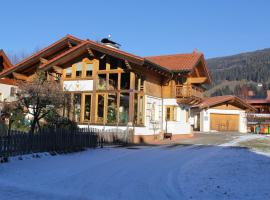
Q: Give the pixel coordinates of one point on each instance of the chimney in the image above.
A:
(109, 43)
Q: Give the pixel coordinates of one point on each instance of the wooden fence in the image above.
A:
(15, 143)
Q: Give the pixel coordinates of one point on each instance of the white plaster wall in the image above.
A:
(5, 91)
(152, 124)
(80, 85)
(205, 118)
(181, 125)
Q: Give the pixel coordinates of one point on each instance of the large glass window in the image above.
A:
(100, 108)
(124, 108)
(101, 83)
(136, 108)
(87, 107)
(69, 72)
(113, 81)
(113, 63)
(112, 109)
(89, 69)
(77, 107)
(125, 81)
(102, 63)
(141, 110)
(79, 69)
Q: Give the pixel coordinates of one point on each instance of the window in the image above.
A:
(124, 108)
(113, 81)
(87, 107)
(79, 69)
(125, 81)
(101, 82)
(69, 72)
(77, 107)
(89, 69)
(171, 113)
(112, 109)
(12, 91)
(100, 108)
(102, 63)
(153, 112)
(113, 63)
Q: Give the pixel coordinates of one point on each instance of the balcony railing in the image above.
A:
(188, 91)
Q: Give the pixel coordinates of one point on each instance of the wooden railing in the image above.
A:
(188, 91)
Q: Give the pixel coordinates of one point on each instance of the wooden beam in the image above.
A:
(90, 52)
(43, 60)
(194, 80)
(58, 69)
(69, 44)
(128, 64)
(20, 76)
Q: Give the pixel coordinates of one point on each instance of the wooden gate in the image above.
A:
(224, 122)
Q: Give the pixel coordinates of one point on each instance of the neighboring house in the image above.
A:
(221, 113)
(110, 88)
(261, 116)
(7, 86)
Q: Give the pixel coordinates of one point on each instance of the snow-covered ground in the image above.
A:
(190, 172)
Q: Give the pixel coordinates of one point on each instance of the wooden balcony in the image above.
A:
(188, 94)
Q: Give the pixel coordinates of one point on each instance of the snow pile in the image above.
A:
(192, 172)
(241, 138)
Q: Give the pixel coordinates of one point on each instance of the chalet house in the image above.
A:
(110, 88)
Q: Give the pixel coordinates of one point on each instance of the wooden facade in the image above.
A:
(107, 86)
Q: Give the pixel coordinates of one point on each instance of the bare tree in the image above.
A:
(39, 97)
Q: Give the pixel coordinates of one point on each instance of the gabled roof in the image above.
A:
(181, 62)
(177, 62)
(36, 56)
(165, 64)
(214, 101)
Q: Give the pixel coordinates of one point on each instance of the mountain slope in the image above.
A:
(251, 68)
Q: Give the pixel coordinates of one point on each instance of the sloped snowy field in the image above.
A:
(191, 172)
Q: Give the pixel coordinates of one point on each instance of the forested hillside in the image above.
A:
(239, 73)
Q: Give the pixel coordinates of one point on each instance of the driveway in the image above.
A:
(211, 138)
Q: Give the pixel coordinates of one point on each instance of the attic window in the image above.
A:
(89, 68)
(79, 69)
(68, 72)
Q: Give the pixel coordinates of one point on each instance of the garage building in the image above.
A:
(221, 113)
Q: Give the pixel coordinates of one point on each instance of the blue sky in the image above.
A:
(215, 27)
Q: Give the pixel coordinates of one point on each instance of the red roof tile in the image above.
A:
(177, 62)
(213, 101)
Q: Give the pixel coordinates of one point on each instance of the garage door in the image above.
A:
(224, 122)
